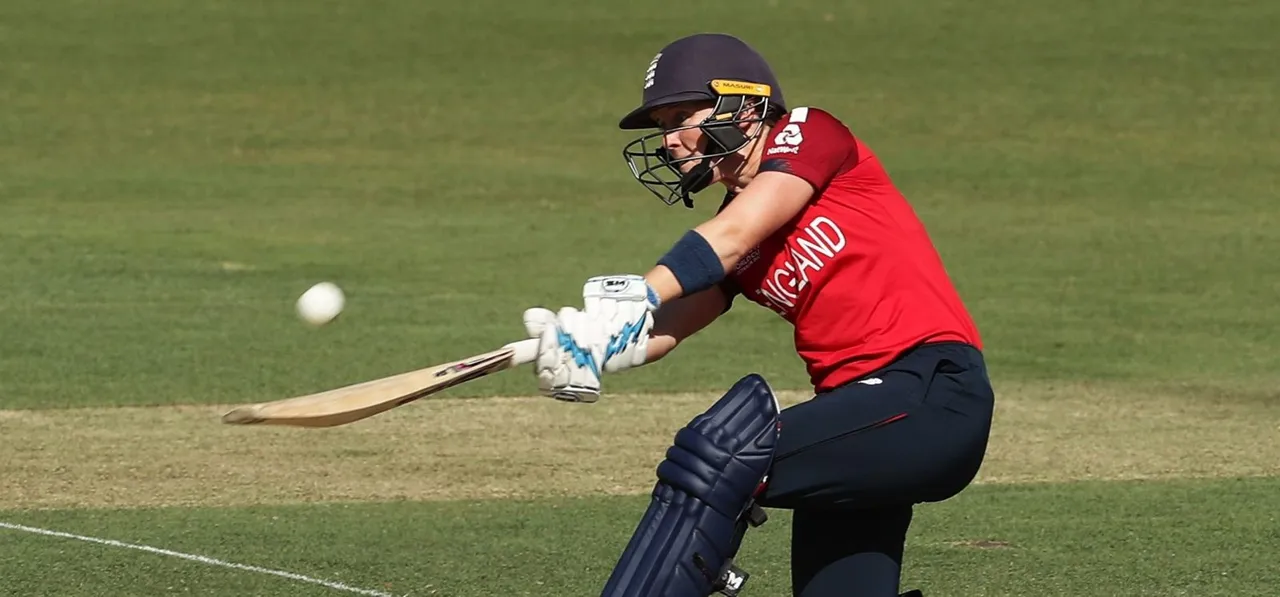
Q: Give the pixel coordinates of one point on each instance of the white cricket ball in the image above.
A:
(321, 303)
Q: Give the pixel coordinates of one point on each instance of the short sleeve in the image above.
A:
(812, 144)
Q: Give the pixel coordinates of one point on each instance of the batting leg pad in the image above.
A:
(703, 501)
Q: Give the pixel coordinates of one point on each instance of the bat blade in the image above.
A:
(362, 400)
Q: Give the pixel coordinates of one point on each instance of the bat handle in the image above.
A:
(526, 351)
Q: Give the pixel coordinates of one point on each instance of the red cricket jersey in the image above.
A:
(855, 271)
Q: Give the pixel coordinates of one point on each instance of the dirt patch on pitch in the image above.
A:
(532, 447)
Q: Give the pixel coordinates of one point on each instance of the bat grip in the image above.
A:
(526, 351)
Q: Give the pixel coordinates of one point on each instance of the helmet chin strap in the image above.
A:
(695, 180)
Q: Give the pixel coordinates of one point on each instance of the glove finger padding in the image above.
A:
(561, 377)
(566, 365)
(536, 319)
(540, 323)
(580, 342)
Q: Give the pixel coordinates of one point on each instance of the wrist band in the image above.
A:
(694, 263)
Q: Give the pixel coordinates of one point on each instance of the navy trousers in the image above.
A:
(852, 462)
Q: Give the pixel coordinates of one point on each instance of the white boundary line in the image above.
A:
(337, 586)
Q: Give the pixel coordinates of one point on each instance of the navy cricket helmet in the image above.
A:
(702, 67)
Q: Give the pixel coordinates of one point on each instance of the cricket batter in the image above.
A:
(813, 228)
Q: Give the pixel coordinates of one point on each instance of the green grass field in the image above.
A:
(1100, 177)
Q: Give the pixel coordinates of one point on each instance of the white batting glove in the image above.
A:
(622, 306)
(611, 334)
(569, 353)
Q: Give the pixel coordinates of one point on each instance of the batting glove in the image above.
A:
(569, 353)
(575, 347)
(623, 307)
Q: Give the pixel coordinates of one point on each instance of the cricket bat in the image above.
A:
(359, 401)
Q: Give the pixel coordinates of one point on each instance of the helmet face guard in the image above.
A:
(652, 165)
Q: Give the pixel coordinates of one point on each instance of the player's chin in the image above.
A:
(688, 164)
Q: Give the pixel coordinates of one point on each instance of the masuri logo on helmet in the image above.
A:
(730, 87)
